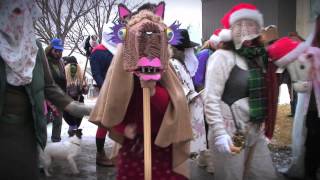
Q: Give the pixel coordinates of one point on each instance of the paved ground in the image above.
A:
(86, 159)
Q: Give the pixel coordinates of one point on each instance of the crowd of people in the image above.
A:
(216, 104)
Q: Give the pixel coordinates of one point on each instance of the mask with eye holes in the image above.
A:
(145, 41)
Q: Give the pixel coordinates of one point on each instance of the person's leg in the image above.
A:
(101, 158)
(100, 138)
(311, 152)
(71, 121)
(56, 128)
(227, 166)
(18, 152)
(259, 163)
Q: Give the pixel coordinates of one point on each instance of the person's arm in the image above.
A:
(218, 70)
(51, 90)
(56, 95)
(199, 77)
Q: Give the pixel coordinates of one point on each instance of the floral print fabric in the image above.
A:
(18, 46)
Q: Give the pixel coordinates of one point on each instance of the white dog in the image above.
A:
(66, 150)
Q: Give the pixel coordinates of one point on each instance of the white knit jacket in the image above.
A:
(218, 114)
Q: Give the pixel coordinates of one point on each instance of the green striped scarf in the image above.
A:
(256, 58)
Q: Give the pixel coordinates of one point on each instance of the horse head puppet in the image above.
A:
(145, 40)
(301, 60)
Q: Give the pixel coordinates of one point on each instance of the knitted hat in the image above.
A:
(285, 50)
(242, 11)
(220, 35)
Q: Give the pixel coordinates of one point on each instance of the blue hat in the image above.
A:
(57, 44)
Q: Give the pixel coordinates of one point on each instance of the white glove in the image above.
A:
(223, 143)
(78, 109)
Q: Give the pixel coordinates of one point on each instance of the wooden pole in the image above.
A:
(83, 77)
(147, 134)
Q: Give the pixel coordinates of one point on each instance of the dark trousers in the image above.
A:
(71, 120)
(312, 153)
(56, 125)
(18, 152)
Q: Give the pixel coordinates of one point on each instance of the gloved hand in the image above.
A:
(78, 109)
(223, 143)
(130, 131)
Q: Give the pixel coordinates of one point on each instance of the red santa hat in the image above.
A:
(242, 11)
(285, 50)
(220, 35)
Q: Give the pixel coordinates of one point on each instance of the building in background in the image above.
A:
(288, 15)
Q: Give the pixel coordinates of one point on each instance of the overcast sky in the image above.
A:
(188, 12)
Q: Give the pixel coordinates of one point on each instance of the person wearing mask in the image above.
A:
(25, 81)
(236, 94)
(185, 64)
(119, 106)
(76, 87)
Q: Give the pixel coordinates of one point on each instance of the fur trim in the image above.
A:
(246, 14)
(292, 55)
(225, 35)
(215, 39)
(270, 26)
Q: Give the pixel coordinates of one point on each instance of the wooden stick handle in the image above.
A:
(147, 134)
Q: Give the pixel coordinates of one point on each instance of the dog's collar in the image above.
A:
(75, 143)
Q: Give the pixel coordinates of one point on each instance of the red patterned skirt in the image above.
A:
(131, 162)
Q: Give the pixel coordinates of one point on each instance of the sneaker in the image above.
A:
(102, 160)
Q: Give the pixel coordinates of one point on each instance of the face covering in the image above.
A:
(18, 47)
(244, 30)
(73, 70)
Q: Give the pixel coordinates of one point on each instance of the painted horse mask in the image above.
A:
(145, 41)
(301, 60)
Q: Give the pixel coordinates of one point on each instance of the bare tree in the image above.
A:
(95, 21)
(73, 20)
(60, 16)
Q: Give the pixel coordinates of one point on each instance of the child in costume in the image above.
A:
(236, 94)
(144, 52)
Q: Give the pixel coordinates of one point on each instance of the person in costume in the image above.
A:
(219, 39)
(89, 43)
(54, 56)
(142, 59)
(185, 64)
(100, 60)
(25, 82)
(236, 100)
(76, 87)
(302, 60)
(215, 42)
